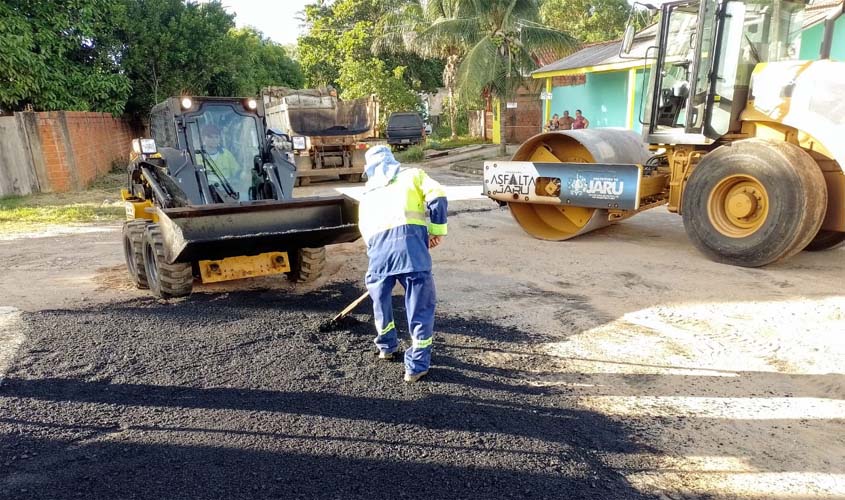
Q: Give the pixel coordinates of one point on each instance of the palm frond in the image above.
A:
(480, 68)
(461, 32)
(535, 37)
(448, 9)
(396, 30)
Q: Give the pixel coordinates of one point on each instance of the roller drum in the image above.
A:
(559, 222)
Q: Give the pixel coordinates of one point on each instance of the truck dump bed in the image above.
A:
(314, 113)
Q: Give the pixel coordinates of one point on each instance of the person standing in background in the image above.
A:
(580, 121)
(566, 121)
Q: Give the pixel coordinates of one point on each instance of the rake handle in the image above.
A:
(352, 306)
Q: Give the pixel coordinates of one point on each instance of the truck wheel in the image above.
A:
(165, 280)
(825, 240)
(754, 202)
(307, 264)
(351, 177)
(133, 251)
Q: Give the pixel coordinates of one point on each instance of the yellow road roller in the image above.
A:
(739, 138)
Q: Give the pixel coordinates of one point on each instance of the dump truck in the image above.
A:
(209, 197)
(740, 139)
(328, 135)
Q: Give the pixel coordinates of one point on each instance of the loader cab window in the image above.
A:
(235, 132)
(226, 142)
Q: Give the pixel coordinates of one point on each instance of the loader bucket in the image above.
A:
(227, 230)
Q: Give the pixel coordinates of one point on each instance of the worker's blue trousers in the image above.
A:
(419, 303)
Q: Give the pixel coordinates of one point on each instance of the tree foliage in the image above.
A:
(365, 78)
(337, 50)
(588, 20)
(502, 39)
(176, 48)
(55, 58)
(116, 55)
(404, 30)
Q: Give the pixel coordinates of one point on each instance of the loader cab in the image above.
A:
(706, 52)
(224, 138)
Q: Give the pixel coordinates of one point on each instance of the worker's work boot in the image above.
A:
(415, 377)
(387, 356)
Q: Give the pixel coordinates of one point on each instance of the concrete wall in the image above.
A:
(17, 177)
(60, 150)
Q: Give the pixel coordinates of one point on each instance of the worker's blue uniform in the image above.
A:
(392, 219)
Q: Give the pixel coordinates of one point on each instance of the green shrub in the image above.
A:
(413, 154)
(447, 143)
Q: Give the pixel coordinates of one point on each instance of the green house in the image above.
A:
(608, 89)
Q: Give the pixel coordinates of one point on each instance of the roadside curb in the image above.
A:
(471, 166)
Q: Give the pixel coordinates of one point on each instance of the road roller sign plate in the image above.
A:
(591, 185)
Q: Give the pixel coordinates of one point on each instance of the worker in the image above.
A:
(224, 163)
(392, 220)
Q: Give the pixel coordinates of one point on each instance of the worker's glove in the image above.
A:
(433, 241)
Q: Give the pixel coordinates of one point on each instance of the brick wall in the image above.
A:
(77, 147)
(524, 121)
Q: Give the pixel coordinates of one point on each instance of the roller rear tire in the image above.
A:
(754, 202)
(825, 240)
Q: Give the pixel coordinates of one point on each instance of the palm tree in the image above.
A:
(403, 28)
(501, 37)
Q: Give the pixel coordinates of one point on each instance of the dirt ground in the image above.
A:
(724, 382)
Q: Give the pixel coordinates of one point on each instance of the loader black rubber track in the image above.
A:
(165, 280)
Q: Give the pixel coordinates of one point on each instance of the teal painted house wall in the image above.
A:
(811, 41)
(602, 99)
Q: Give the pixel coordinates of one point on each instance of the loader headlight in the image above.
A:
(187, 103)
(298, 142)
(251, 104)
(144, 146)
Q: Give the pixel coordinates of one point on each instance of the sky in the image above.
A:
(276, 19)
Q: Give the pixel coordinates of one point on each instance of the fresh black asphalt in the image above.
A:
(241, 395)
